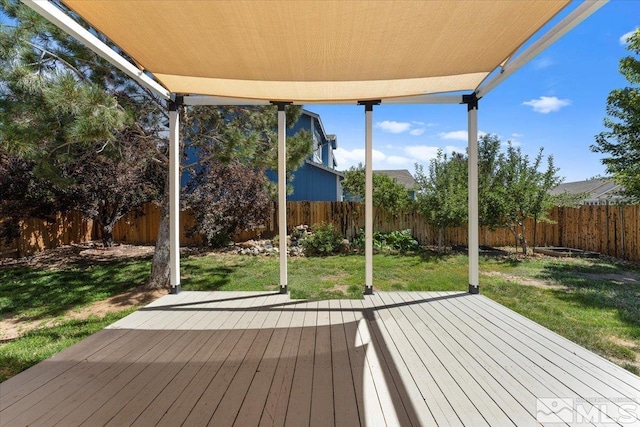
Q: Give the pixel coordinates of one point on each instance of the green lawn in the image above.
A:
(592, 302)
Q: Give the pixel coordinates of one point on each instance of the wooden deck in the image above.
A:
(251, 358)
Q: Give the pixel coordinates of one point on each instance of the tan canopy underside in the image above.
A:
(318, 50)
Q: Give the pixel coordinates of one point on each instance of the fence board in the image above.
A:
(612, 230)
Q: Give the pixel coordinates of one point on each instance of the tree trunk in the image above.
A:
(440, 240)
(160, 269)
(107, 235)
(524, 238)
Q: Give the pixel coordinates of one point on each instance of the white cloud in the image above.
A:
(393, 126)
(458, 135)
(547, 104)
(399, 160)
(422, 152)
(348, 158)
(543, 62)
(625, 37)
(516, 135)
(415, 128)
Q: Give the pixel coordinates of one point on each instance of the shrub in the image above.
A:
(324, 240)
(402, 241)
(395, 241)
(227, 199)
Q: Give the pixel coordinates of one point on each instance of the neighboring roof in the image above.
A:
(324, 168)
(318, 51)
(402, 176)
(592, 189)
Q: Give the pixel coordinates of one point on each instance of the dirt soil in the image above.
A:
(90, 253)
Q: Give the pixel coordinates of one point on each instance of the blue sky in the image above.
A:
(557, 101)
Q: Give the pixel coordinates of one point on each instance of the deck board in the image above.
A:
(262, 359)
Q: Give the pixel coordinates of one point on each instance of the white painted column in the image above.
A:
(174, 194)
(368, 200)
(474, 241)
(282, 195)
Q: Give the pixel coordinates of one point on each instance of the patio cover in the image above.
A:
(318, 51)
(233, 52)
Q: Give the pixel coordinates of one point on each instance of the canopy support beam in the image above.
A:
(414, 99)
(368, 196)
(282, 194)
(581, 13)
(474, 241)
(174, 194)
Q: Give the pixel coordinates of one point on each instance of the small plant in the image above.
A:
(324, 240)
(402, 241)
(395, 241)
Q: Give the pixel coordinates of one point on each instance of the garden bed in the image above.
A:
(485, 250)
(558, 251)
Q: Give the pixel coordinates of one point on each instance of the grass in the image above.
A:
(40, 344)
(35, 293)
(324, 277)
(595, 303)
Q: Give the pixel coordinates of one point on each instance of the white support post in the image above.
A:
(282, 195)
(174, 193)
(368, 196)
(474, 241)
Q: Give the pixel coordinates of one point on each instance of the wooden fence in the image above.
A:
(611, 230)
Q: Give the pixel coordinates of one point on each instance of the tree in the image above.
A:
(73, 124)
(387, 193)
(227, 199)
(442, 192)
(526, 192)
(491, 188)
(23, 194)
(102, 186)
(57, 97)
(106, 186)
(622, 141)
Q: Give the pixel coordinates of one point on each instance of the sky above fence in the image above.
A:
(557, 101)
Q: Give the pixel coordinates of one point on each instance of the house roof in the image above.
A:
(592, 189)
(324, 168)
(318, 121)
(320, 51)
(402, 177)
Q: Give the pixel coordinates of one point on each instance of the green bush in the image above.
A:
(324, 240)
(395, 241)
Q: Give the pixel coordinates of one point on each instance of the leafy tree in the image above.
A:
(106, 186)
(102, 186)
(621, 142)
(23, 194)
(491, 188)
(79, 141)
(526, 192)
(227, 199)
(387, 193)
(442, 192)
(59, 100)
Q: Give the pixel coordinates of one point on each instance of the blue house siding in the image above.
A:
(316, 179)
(311, 183)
